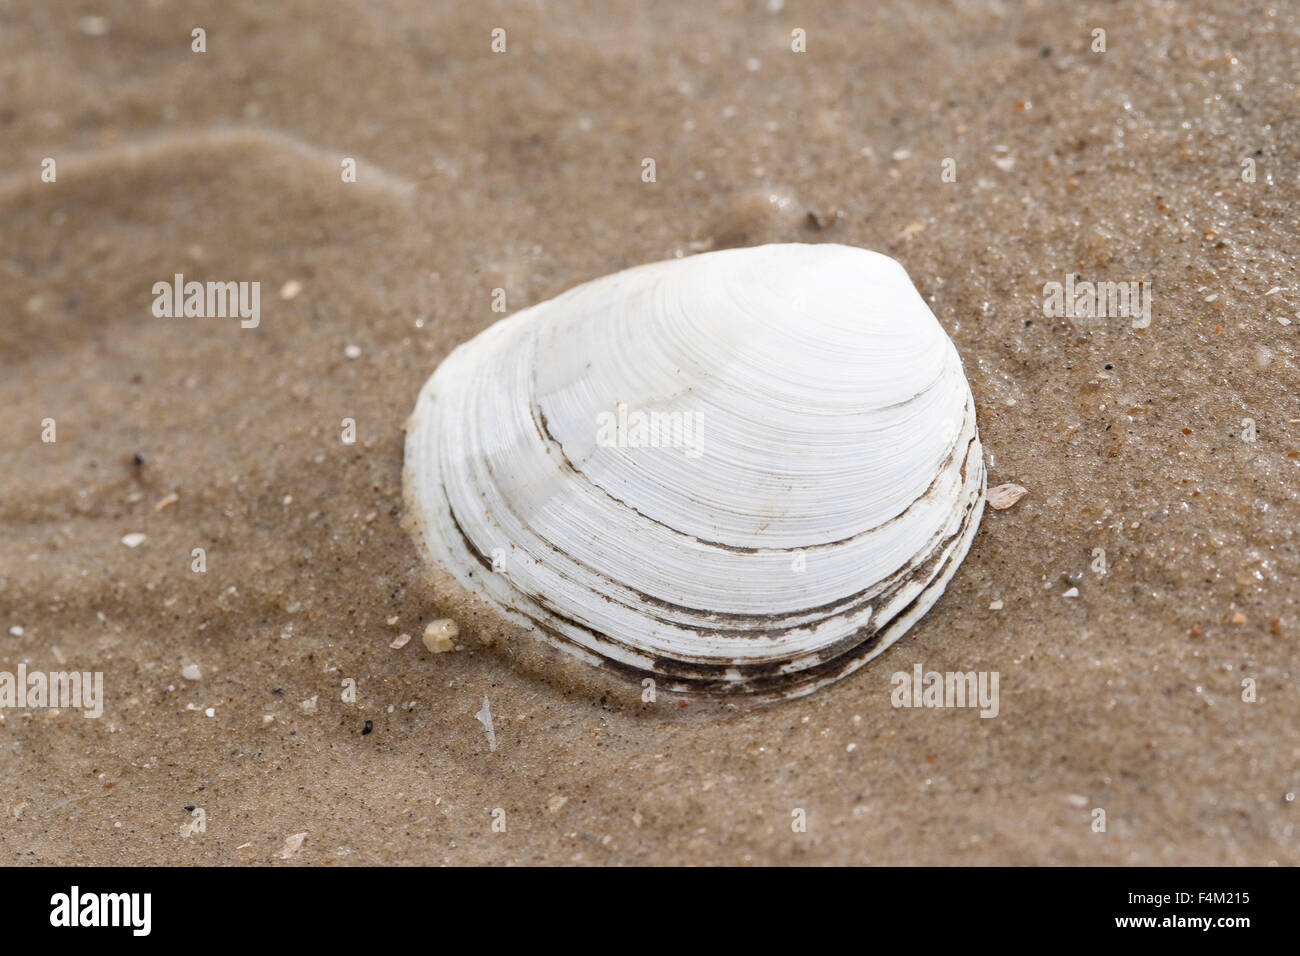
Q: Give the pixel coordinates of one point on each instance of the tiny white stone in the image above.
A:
(211, 712)
(439, 634)
(191, 672)
(1073, 592)
(995, 606)
(352, 351)
(133, 540)
(400, 641)
(16, 631)
(290, 289)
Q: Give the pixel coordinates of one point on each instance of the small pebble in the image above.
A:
(439, 634)
(1001, 497)
(370, 725)
(400, 641)
(995, 606)
(167, 502)
(1073, 592)
(16, 631)
(819, 221)
(352, 351)
(133, 540)
(290, 289)
(191, 672)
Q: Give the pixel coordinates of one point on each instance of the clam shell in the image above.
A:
(810, 484)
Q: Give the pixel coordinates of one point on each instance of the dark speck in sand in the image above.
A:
(370, 725)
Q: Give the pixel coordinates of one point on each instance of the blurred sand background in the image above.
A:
(523, 171)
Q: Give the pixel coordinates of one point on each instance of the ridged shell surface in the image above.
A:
(745, 471)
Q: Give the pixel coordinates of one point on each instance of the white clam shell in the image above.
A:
(817, 489)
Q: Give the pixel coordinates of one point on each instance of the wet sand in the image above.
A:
(522, 171)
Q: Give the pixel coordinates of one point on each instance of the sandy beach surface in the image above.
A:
(1170, 158)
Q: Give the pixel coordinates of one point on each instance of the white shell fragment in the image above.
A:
(292, 844)
(1001, 497)
(745, 471)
